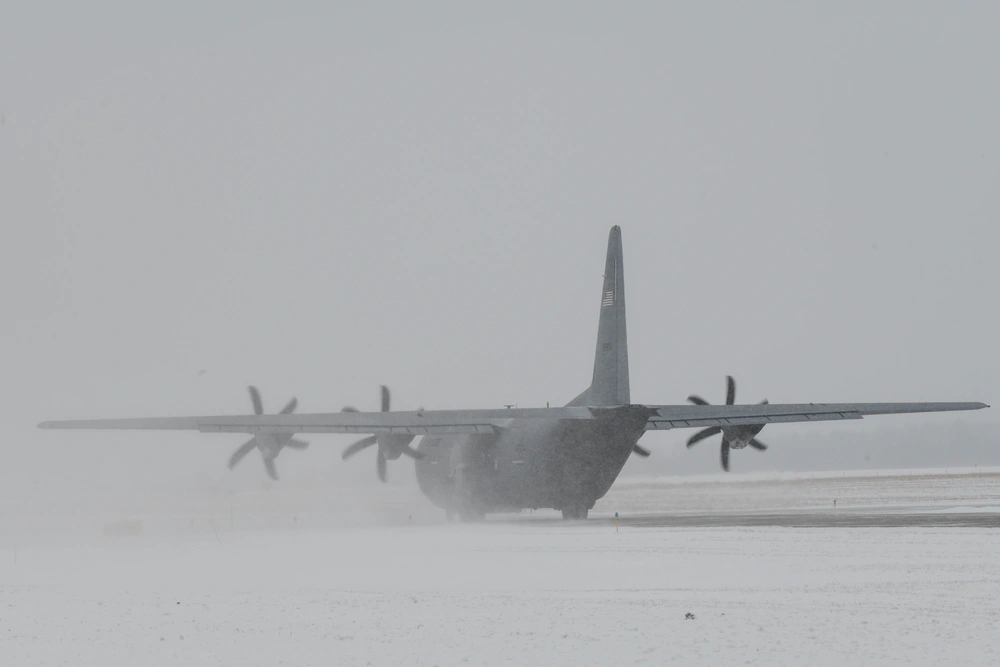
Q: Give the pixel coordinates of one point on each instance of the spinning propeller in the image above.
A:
(735, 437)
(390, 447)
(270, 445)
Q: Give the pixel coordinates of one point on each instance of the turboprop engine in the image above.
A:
(733, 437)
(390, 447)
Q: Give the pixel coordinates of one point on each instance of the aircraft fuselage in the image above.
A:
(532, 464)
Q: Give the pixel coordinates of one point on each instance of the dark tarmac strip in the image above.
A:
(806, 519)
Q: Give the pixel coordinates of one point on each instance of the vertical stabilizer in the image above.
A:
(609, 385)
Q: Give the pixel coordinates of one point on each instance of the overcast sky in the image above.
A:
(322, 198)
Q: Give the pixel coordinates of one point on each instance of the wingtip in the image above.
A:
(45, 425)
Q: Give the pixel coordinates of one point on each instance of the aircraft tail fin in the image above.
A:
(609, 385)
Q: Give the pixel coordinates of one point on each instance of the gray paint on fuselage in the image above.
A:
(533, 464)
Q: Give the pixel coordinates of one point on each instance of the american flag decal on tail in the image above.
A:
(609, 299)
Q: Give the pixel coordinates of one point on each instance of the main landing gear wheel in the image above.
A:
(575, 513)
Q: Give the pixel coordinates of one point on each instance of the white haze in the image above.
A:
(320, 199)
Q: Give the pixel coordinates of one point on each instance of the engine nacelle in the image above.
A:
(740, 437)
(392, 446)
(268, 446)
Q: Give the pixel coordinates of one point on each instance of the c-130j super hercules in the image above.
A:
(471, 462)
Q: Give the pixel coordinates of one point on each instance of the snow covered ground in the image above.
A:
(311, 581)
(956, 487)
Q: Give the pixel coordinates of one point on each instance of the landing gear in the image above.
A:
(473, 516)
(575, 514)
(465, 514)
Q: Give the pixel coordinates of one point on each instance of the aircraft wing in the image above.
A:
(459, 422)
(424, 422)
(664, 417)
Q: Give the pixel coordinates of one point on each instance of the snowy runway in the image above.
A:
(522, 592)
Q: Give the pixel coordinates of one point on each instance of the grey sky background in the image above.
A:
(319, 199)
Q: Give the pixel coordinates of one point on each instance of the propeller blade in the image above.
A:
(413, 453)
(358, 446)
(380, 466)
(271, 470)
(698, 400)
(641, 451)
(290, 408)
(244, 449)
(704, 433)
(725, 456)
(730, 390)
(258, 407)
(385, 398)
(757, 444)
(348, 408)
(297, 444)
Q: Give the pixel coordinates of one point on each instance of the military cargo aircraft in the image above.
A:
(474, 462)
